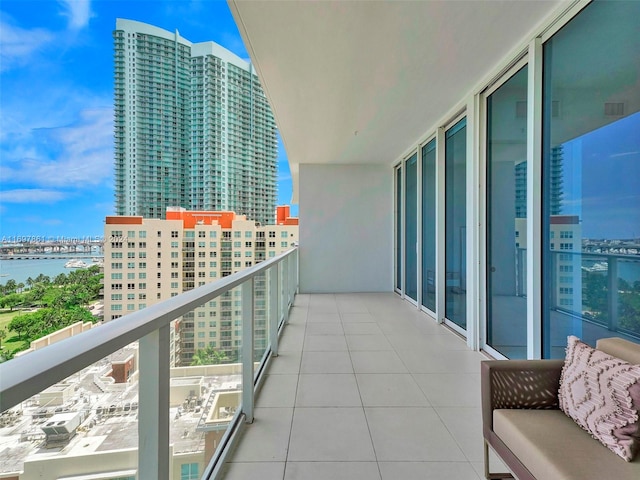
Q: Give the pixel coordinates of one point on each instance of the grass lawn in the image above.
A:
(10, 343)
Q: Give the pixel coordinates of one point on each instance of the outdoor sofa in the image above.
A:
(524, 425)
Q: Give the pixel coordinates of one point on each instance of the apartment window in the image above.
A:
(142, 286)
(174, 284)
(116, 276)
(116, 296)
(142, 234)
(202, 234)
(116, 254)
(159, 234)
(213, 244)
(272, 234)
(131, 286)
(131, 296)
(116, 307)
(142, 296)
(131, 264)
(283, 244)
(213, 234)
(174, 244)
(591, 177)
(159, 275)
(142, 275)
(131, 276)
(142, 254)
(116, 265)
(174, 234)
(131, 234)
(272, 244)
(237, 244)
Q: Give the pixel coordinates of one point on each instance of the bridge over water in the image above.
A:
(36, 247)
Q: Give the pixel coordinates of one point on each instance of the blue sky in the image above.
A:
(56, 105)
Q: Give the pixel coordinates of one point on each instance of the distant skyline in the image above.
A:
(56, 106)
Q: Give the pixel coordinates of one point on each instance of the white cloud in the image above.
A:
(31, 195)
(77, 11)
(17, 45)
(78, 156)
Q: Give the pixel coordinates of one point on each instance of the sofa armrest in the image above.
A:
(530, 384)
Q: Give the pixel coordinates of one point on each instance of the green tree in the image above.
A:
(3, 335)
(10, 286)
(43, 279)
(19, 324)
(30, 282)
(208, 356)
(11, 301)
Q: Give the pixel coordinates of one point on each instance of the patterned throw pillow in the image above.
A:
(601, 393)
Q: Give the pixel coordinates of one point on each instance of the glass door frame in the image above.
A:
(483, 207)
(467, 114)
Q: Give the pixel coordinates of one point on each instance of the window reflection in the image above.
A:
(591, 171)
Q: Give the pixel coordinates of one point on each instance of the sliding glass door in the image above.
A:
(456, 224)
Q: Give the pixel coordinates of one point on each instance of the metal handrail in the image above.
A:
(27, 375)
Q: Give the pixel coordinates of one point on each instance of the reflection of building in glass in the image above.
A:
(555, 182)
(555, 192)
(192, 127)
(565, 243)
(150, 260)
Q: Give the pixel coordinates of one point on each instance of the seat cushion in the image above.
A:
(553, 447)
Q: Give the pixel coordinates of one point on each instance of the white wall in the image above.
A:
(346, 228)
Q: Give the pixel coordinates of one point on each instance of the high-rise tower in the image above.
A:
(193, 127)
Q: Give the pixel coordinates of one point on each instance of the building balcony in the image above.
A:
(363, 385)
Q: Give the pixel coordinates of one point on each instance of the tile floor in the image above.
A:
(365, 387)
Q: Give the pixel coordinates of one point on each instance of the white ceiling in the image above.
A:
(361, 81)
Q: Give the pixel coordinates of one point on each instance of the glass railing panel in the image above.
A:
(191, 367)
(594, 296)
(206, 391)
(261, 316)
(87, 423)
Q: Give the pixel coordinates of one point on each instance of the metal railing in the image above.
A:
(30, 374)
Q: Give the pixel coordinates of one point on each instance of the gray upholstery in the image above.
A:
(554, 447)
(523, 424)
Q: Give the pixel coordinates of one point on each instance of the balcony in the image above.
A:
(362, 385)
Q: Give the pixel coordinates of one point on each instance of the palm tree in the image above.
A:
(30, 282)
